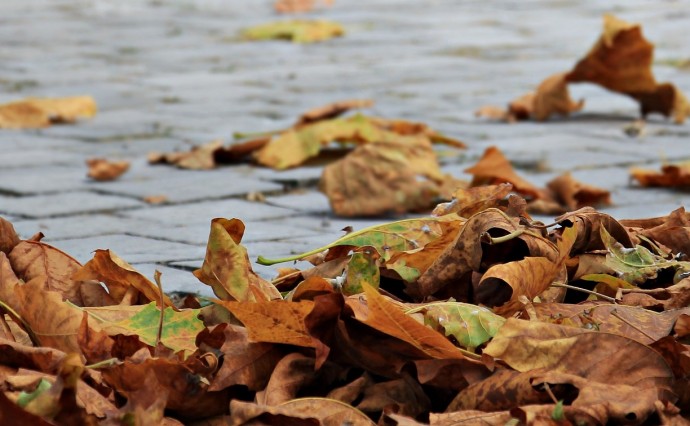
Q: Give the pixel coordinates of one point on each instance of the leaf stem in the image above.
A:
(584, 290)
(497, 240)
(105, 363)
(19, 320)
(240, 135)
(157, 278)
(267, 262)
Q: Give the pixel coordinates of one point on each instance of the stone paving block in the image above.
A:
(308, 201)
(201, 213)
(19, 160)
(68, 203)
(174, 279)
(130, 248)
(38, 180)
(183, 185)
(79, 226)
(267, 230)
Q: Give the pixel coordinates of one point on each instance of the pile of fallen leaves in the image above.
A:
(474, 315)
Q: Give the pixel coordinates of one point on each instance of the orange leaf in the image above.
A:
(494, 168)
(101, 169)
(387, 318)
(32, 113)
(274, 322)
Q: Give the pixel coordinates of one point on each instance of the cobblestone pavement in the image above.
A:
(167, 74)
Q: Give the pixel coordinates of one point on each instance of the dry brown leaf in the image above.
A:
(120, 277)
(670, 176)
(386, 317)
(101, 169)
(274, 322)
(32, 113)
(383, 178)
(201, 157)
(47, 267)
(526, 345)
(332, 110)
(299, 412)
(226, 267)
(244, 363)
(469, 201)
(575, 195)
(589, 223)
(155, 199)
(494, 168)
(8, 236)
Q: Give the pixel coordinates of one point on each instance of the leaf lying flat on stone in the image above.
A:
(34, 113)
(297, 31)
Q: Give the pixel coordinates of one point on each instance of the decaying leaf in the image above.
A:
(296, 6)
(381, 178)
(575, 195)
(670, 176)
(32, 113)
(298, 31)
(620, 61)
(101, 169)
(226, 266)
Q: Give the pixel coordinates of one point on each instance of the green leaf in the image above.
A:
(470, 325)
(636, 265)
(361, 268)
(401, 236)
(179, 327)
(298, 31)
(27, 397)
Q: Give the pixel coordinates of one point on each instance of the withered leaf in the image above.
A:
(101, 169)
(47, 267)
(332, 110)
(670, 176)
(494, 168)
(575, 195)
(388, 318)
(274, 322)
(311, 411)
(8, 236)
(198, 158)
(119, 276)
(32, 113)
(226, 267)
(297, 31)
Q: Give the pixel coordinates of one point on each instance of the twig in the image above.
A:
(584, 290)
(497, 240)
(157, 277)
(548, 390)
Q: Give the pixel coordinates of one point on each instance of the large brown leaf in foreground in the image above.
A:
(226, 267)
(382, 178)
(33, 113)
(602, 357)
(48, 267)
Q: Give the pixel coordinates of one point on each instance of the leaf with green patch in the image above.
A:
(297, 31)
(401, 236)
(638, 264)
(558, 414)
(179, 327)
(470, 325)
(361, 268)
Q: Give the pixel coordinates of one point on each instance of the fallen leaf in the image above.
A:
(178, 333)
(119, 276)
(155, 199)
(298, 6)
(8, 236)
(404, 396)
(470, 325)
(298, 31)
(494, 168)
(332, 110)
(575, 195)
(671, 176)
(101, 169)
(361, 268)
(312, 411)
(388, 318)
(226, 266)
(468, 201)
(274, 322)
(526, 345)
(383, 178)
(47, 267)
(198, 158)
(33, 113)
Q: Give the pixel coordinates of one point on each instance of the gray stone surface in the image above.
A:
(170, 75)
